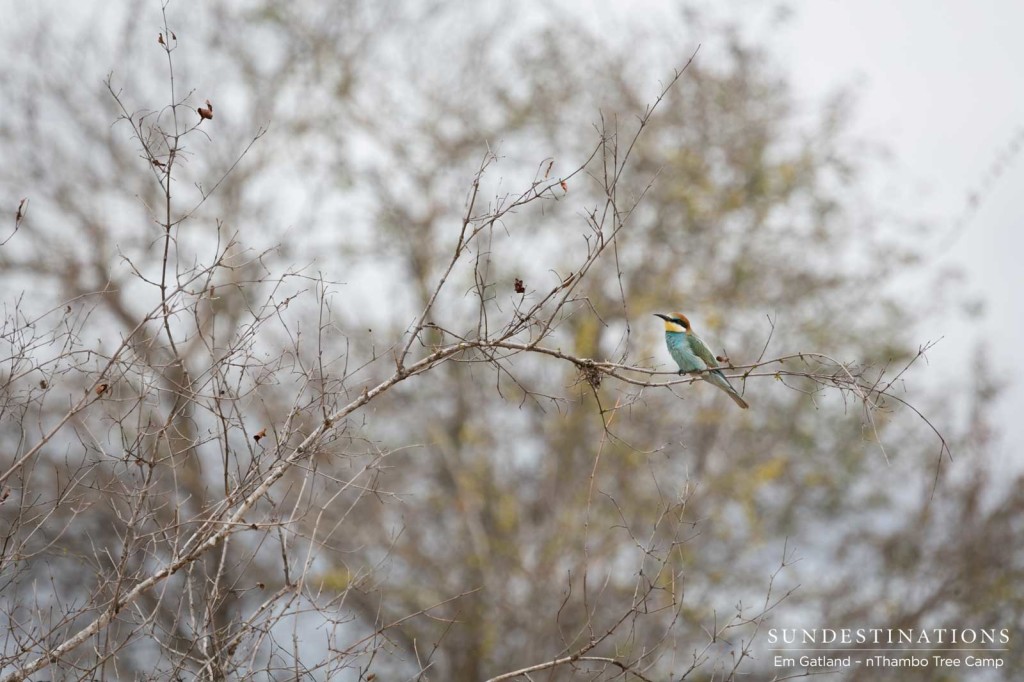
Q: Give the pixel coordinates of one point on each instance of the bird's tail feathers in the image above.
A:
(737, 399)
(719, 380)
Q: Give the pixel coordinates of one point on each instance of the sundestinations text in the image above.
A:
(888, 636)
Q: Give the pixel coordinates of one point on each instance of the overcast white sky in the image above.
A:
(940, 84)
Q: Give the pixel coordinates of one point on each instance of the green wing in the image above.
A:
(701, 350)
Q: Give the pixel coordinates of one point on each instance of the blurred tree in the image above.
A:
(506, 509)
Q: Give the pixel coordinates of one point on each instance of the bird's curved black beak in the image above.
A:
(664, 317)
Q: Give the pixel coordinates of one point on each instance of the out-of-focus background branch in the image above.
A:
(530, 496)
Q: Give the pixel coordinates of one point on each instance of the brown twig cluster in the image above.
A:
(200, 506)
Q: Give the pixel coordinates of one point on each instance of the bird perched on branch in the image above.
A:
(693, 355)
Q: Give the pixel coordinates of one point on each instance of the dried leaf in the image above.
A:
(564, 184)
(160, 39)
(206, 112)
(519, 286)
(102, 388)
(261, 434)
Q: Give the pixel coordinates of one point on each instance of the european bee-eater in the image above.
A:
(693, 355)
